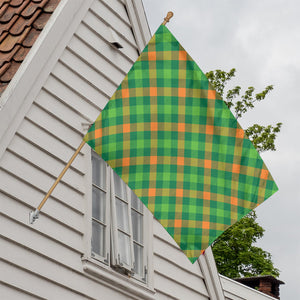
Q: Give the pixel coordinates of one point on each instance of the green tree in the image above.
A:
(234, 251)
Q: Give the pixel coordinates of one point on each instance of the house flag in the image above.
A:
(172, 139)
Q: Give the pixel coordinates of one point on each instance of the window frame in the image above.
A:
(107, 262)
(106, 258)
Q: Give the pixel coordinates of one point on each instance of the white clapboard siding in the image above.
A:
(49, 143)
(9, 292)
(96, 60)
(102, 46)
(22, 148)
(80, 84)
(65, 114)
(60, 128)
(35, 284)
(173, 270)
(79, 103)
(42, 179)
(91, 74)
(32, 238)
(27, 195)
(113, 19)
(93, 20)
(119, 9)
(58, 231)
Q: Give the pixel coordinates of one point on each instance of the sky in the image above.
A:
(261, 40)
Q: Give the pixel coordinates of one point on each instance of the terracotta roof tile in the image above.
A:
(12, 10)
(16, 2)
(41, 21)
(31, 8)
(6, 57)
(10, 72)
(31, 37)
(21, 54)
(3, 9)
(6, 26)
(2, 2)
(3, 36)
(21, 22)
(4, 68)
(50, 6)
(12, 40)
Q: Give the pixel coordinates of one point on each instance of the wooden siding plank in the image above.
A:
(118, 8)
(80, 85)
(32, 238)
(83, 107)
(50, 144)
(175, 256)
(102, 29)
(54, 209)
(41, 160)
(50, 227)
(96, 60)
(9, 292)
(97, 42)
(164, 245)
(58, 109)
(42, 266)
(72, 179)
(41, 180)
(93, 76)
(34, 284)
(168, 286)
(31, 149)
(54, 125)
(178, 274)
(113, 19)
(57, 274)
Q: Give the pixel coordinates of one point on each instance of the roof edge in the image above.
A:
(22, 90)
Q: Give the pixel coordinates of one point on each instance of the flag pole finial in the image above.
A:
(168, 17)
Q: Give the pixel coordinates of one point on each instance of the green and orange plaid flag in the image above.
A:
(172, 139)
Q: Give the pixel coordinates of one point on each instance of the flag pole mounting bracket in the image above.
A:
(33, 215)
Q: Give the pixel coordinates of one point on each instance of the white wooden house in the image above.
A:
(94, 239)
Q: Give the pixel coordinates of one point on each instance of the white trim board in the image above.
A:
(211, 276)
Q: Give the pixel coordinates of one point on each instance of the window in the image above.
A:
(118, 223)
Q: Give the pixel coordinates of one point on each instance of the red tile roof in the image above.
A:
(21, 22)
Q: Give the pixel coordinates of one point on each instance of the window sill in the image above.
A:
(117, 281)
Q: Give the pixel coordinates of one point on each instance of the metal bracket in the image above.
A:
(33, 215)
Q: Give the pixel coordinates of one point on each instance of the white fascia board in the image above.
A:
(138, 20)
(35, 69)
(211, 276)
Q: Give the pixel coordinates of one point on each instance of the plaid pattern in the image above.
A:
(173, 140)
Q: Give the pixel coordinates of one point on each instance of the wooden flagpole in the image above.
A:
(33, 215)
